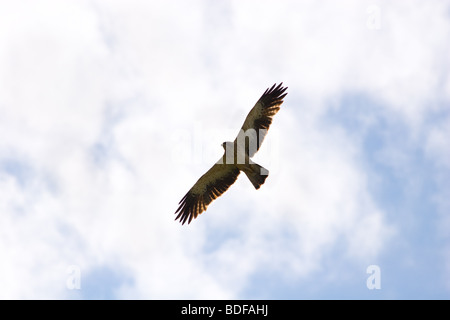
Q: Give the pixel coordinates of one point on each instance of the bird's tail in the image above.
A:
(256, 174)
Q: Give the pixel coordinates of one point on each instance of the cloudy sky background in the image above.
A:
(111, 110)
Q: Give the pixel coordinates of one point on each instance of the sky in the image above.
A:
(111, 110)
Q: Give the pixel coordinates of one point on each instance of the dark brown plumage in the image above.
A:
(261, 115)
(224, 172)
(206, 190)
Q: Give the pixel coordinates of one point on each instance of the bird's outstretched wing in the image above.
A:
(211, 185)
(260, 118)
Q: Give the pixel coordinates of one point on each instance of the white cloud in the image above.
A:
(96, 95)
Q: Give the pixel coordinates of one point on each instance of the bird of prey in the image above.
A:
(236, 158)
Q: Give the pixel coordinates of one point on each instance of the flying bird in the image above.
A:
(236, 158)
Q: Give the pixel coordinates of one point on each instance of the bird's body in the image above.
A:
(236, 158)
(235, 154)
